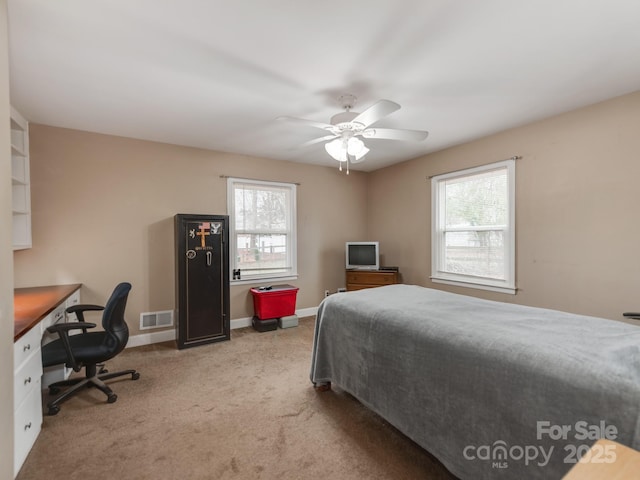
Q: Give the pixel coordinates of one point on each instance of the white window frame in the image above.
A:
(438, 231)
(292, 272)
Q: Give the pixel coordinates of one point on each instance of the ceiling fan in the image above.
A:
(342, 141)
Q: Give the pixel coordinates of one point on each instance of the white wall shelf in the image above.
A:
(20, 181)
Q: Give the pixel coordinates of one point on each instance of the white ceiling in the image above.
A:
(216, 74)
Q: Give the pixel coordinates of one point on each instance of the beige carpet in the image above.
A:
(243, 409)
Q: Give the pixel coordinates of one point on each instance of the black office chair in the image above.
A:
(89, 349)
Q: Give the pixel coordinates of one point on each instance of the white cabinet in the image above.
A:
(20, 181)
(36, 308)
(55, 373)
(27, 397)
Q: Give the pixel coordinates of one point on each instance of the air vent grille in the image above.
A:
(156, 319)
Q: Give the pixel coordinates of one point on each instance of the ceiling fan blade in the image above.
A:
(309, 123)
(376, 112)
(317, 140)
(395, 134)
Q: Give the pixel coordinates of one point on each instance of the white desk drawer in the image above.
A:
(27, 422)
(26, 346)
(57, 316)
(27, 378)
(74, 299)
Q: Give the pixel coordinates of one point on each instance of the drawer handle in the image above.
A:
(27, 426)
(26, 347)
(27, 380)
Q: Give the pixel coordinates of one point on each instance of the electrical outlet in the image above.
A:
(327, 293)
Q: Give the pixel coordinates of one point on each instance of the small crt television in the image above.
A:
(363, 255)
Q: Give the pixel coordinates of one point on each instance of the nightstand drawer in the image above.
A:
(372, 278)
(359, 279)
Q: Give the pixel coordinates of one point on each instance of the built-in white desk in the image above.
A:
(35, 309)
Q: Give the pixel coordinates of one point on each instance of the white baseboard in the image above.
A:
(149, 338)
(307, 312)
(170, 335)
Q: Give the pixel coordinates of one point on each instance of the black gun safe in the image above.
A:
(202, 279)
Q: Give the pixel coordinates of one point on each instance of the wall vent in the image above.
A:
(156, 319)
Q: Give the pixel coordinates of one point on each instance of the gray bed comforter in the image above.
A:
(493, 390)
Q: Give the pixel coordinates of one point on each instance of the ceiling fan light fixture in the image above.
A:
(341, 148)
(337, 149)
(355, 146)
(362, 153)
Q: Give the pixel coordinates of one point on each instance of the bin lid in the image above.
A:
(274, 288)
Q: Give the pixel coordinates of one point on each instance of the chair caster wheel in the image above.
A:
(112, 398)
(53, 410)
(103, 370)
(135, 376)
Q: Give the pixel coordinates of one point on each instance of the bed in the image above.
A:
(493, 390)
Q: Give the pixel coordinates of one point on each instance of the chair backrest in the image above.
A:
(113, 320)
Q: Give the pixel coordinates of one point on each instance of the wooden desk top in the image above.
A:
(32, 304)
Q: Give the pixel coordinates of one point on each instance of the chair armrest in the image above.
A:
(65, 327)
(63, 331)
(634, 315)
(81, 308)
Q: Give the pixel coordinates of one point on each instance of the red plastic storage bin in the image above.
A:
(278, 301)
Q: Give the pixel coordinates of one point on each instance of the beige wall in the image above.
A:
(6, 263)
(577, 198)
(103, 210)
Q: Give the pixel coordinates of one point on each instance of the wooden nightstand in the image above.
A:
(359, 279)
(624, 463)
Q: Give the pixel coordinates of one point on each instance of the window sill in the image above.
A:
(479, 286)
(255, 281)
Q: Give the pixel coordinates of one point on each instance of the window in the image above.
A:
(473, 227)
(262, 229)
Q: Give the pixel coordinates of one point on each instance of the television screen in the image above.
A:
(363, 255)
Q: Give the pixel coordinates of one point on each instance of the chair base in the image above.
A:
(76, 384)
